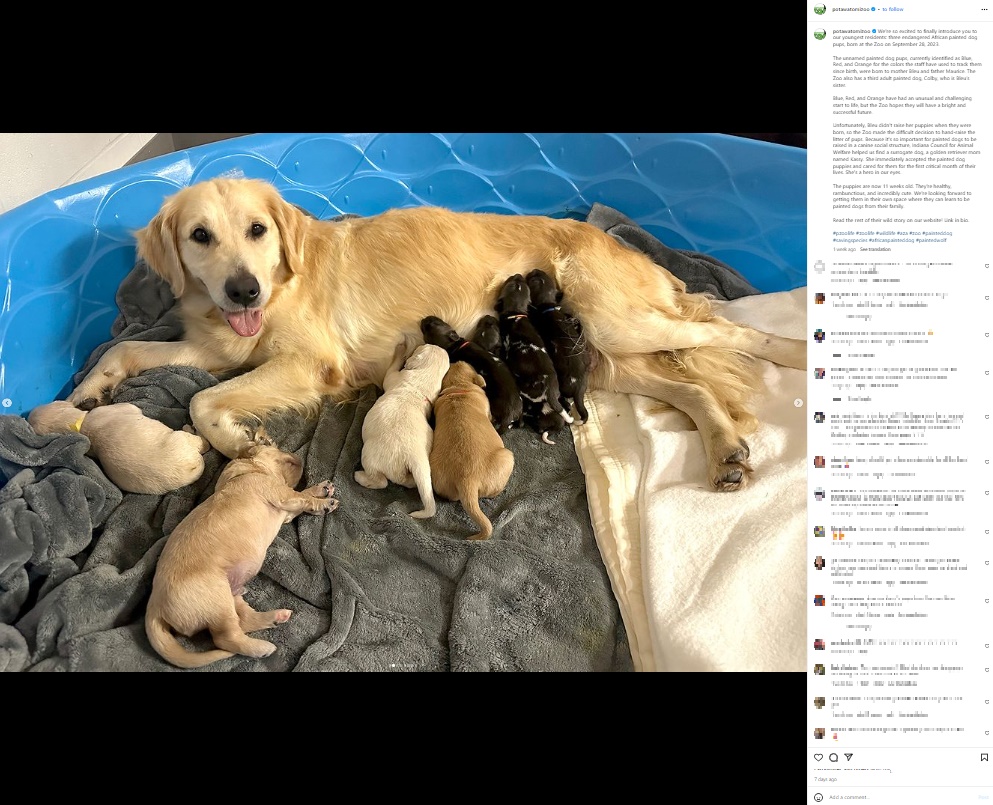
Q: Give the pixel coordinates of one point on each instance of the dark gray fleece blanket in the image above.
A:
(371, 588)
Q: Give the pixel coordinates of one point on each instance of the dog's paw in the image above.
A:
(732, 472)
(327, 488)
(330, 504)
(281, 615)
(260, 436)
(259, 648)
(84, 400)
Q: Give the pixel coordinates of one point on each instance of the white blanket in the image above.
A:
(706, 581)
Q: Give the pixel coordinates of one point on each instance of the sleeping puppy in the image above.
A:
(468, 459)
(218, 548)
(396, 434)
(506, 407)
(563, 336)
(136, 452)
(487, 335)
(528, 360)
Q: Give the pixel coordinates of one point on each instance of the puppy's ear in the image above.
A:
(498, 305)
(478, 380)
(558, 296)
(157, 246)
(292, 225)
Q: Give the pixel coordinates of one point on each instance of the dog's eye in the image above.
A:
(257, 230)
(200, 235)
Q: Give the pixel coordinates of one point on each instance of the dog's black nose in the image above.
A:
(242, 289)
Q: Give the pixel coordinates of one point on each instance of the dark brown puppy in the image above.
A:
(487, 335)
(563, 335)
(529, 361)
(506, 407)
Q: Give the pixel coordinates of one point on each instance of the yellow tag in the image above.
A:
(77, 425)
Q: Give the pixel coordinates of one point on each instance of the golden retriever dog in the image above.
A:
(313, 308)
(218, 548)
(468, 459)
(123, 440)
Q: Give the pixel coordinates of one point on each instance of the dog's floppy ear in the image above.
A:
(558, 296)
(479, 380)
(498, 305)
(292, 225)
(157, 247)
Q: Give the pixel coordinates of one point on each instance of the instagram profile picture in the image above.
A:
(819, 373)
(820, 8)
(819, 335)
(819, 34)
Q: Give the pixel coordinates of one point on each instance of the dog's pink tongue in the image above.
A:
(245, 322)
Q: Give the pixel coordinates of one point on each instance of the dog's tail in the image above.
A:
(469, 495)
(421, 472)
(166, 644)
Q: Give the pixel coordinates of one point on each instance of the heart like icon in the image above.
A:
(818, 756)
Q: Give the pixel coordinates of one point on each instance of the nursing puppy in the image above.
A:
(396, 433)
(487, 335)
(506, 407)
(218, 548)
(529, 361)
(563, 336)
(468, 459)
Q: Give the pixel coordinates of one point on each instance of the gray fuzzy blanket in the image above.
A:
(371, 588)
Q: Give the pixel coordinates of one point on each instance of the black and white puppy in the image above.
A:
(506, 407)
(529, 361)
(487, 335)
(562, 333)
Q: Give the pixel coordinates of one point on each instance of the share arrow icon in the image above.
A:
(848, 755)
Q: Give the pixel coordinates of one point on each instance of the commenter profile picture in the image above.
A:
(820, 8)
(820, 33)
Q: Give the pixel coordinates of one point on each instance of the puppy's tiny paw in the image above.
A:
(327, 488)
(260, 648)
(330, 504)
(281, 615)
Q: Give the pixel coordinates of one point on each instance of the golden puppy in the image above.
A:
(136, 452)
(218, 548)
(468, 459)
(313, 308)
